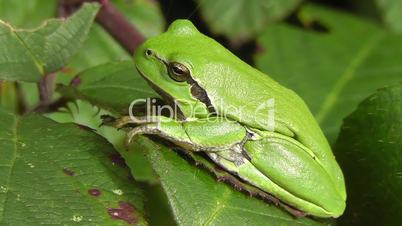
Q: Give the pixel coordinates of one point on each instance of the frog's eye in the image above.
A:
(178, 72)
(148, 52)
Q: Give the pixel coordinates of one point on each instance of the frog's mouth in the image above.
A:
(165, 96)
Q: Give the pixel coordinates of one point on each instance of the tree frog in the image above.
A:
(244, 121)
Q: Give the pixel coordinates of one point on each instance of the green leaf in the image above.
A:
(391, 13)
(27, 14)
(27, 55)
(84, 113)
(146, 16)
(196, 198)
(62, 174)
(243, 19)
(112, 86)
(101, 48)
(369, 150)
(331, 70)
(8, 96)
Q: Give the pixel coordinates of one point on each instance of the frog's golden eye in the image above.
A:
(178, 72)
(148, 52)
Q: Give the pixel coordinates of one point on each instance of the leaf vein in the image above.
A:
(12, 164)
(350, 70)
(219, 207)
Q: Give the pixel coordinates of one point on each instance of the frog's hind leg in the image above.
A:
(292, 173)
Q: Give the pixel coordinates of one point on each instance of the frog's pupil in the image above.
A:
(148, 52)
(177, 70)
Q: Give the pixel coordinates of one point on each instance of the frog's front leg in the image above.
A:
(209, 135)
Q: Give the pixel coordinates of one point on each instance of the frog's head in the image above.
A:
(170, 61)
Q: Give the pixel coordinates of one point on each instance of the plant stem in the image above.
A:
(46, 87)
(21, 102)
(111, 19)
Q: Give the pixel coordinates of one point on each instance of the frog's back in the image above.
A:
(254, 99)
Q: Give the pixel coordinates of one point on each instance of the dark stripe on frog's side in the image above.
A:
(200, 94)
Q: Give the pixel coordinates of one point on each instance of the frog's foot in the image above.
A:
(151, 129)
(126, 121)
(107, 120)
(236, 155)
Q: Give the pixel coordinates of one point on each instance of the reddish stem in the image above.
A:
(46, 87)
(111, 19)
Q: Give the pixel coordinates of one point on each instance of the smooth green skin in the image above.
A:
(293, 162)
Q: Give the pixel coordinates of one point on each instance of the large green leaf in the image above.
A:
(84, 113)
(62, 174)
(369, 150)
(331, 70)
(196, 198)
(156, 207)
(27, 55)
(243, 19)
(392, 13)
(112, 86)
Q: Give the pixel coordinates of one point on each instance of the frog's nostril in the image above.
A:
(148, 52)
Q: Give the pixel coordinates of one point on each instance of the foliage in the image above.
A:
(372, 135)
(327, 68)
(59, 166)
(244, 19)
(43, 50)
(62, 173)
